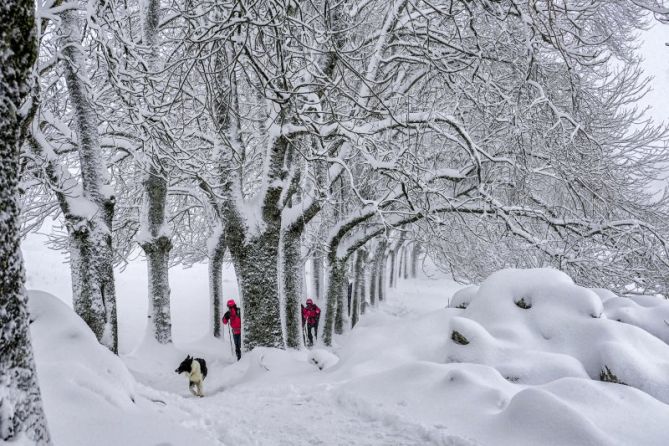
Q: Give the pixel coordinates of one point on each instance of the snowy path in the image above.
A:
(246, 405)
(283, 415)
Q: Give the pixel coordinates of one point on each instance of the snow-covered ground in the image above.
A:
(478, 367)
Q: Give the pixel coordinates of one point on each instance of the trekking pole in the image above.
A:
(232, 352)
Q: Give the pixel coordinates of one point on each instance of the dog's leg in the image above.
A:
(193, 388)
(200, 389)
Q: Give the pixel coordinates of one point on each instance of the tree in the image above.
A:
(21, 412)
(271, 130)
(64, 133)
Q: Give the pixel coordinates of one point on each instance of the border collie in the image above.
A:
(196, 369)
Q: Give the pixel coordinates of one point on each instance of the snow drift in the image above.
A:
(535, 326)
(89, 395)
(522, 359)
(518, 360)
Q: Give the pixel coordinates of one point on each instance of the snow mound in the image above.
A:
(89, 395)
(467, 404)
(647, 312)
(67, 352)
(536, 326)
(463, 297)
(322, 359)
(522, 364)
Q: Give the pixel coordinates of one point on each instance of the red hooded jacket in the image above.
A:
(311, 313)
(234, 316)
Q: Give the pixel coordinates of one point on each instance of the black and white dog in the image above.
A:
(196, 368)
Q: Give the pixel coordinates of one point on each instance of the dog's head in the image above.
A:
(185, 365)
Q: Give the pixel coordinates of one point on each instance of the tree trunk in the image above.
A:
(155, 240)
(341, 307)
(415, 255)
(405, 262)
(396, 260)
(336, 280)
(363, 296)
(382, 275)
(391, 276)
(216, 256)
(358, 286)
(376, 290)
(21, 413)
(256, 267)
(91, 264)
(292, 275)
(157, 245)
(90, 232)
(373, 282)
(317, 274)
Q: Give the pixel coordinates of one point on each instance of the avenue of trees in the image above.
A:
(357, 137)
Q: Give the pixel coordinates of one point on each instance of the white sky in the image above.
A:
(656, 64)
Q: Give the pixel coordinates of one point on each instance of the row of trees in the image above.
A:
(495, 133)
(489, 132)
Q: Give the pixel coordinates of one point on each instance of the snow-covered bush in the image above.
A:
(463, 297)
(560, 330)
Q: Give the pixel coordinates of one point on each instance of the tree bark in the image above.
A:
(336, 282)
(382, 270)
(157, 246)
(340, 313)
(292, 275)
(317, 274)
(256, 267)
(358, 286)
(94, 296)
(415, 255)
(21, 412)
(373, 281)
(216, 256)
(156, 240)
(391, 276)
(405, 262)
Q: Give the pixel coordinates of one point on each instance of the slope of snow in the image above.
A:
(89, 395)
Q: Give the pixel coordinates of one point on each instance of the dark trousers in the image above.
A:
(309, 334)
(238, 345)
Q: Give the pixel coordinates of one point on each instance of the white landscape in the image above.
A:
(526, 377)
(466, 202)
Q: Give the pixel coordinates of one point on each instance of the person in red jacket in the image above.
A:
(311, 315)
(234, 316)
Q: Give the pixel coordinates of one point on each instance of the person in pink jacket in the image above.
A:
(311, 314)
(234, 317)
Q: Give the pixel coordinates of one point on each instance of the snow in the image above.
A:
(89, 395)
(527, 376)
(647, 312)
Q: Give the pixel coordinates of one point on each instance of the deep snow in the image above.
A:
(526, 376)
